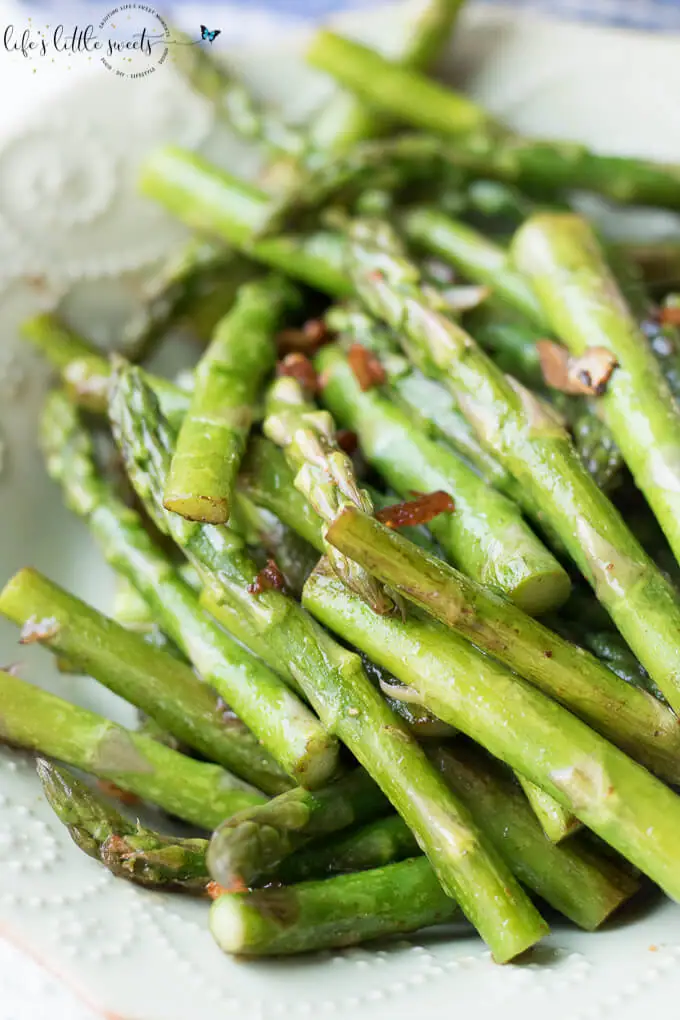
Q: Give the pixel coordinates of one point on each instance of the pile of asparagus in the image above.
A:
(432, 408)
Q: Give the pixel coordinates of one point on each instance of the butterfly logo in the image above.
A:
(209, 35)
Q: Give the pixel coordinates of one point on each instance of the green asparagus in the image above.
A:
(128, 850)
(293, 555)
(201, 793)
(485, 535)
(556, 821)
(148, 677)
(583, 885)
(85, 373)
(342, 695)
(268, 480)
(213, 434)
(430, 405)
(340, 911)
(194, 287)
(476, 142)
(618, 799)
(324, 474)
(217, 204)
(286, 728)
(630, 718)
(562, 258)
(252, 848)
(531, 444)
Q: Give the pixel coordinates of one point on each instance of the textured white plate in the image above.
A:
(68, 216)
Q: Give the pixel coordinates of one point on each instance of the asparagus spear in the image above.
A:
(531, 444)
(556, 821)
(219, 205)
(380, 842)
(618, 799)
(324, 474)
(475, 141)
(583, 885)
(345, 120)
(201, 793)
(267, 479)
(128, 850)
(485, 536)
(608, 646)
(563, 260)
(632, 719)
(148, 677)
(250, 850)
(475, 256)
(213, 435)
(274, 714)
(512, 344)
(337, 687)
(430, 405)
(340, 911)
(85, 373)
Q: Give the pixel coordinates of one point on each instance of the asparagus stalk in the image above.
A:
(485, 536)
(608, 646)
(267, 479)
(85, 373)
(583, 885)
(214, 203)
(556, 821)
(146, 676)
(274, 714)
(128, 850)
(512, 344)
(334, 681)
(531, 444)
(475, 256)
(380, 842)
(615, 797)
(201, 793)
(476, 142)
(213, 435)
(340, 911)
(632, 719)
(430, 405)
(324, 474)
(562, 258)
(250, 850)
(345, 120)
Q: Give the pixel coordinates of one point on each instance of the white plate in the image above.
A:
(140, 956)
